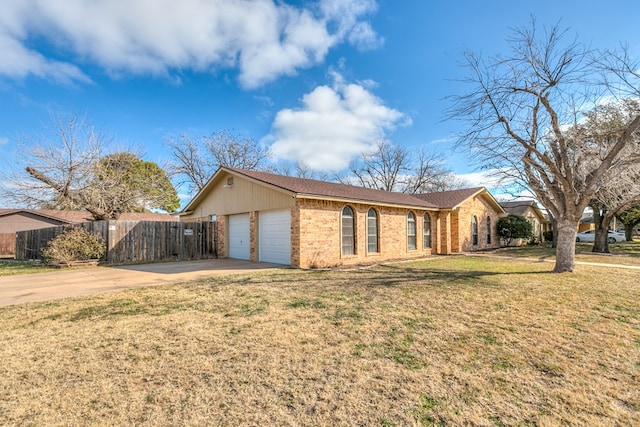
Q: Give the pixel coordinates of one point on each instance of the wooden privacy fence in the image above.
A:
(133, 241)
(7, 243)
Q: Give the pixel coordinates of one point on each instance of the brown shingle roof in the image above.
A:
(313, 188)
(449, 199)
(518, 207)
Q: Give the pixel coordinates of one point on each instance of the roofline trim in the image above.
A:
(364, 201)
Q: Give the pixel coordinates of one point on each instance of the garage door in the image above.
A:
(239, 236)
(275, 236)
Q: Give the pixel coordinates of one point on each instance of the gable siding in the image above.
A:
(242, 197)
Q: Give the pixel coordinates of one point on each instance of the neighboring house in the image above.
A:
(529, 210)
(586, 222)
(14, 220)
(309, 223)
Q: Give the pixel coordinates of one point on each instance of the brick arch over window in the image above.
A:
(372, 231)
(426, 231)
(348, 231)
(411, 231)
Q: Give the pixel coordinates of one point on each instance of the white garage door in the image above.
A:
(275, 236)
(239, 236)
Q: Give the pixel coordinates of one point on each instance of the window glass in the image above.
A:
(372, 231)
(427, 231)
(411, 231)
(474, 230)
(488, 230)
(348, 232)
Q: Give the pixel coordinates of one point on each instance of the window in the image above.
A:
(372, 230)
(348, 232)
(411, 231)
(427, 231)
(488, 230)
(474, 231)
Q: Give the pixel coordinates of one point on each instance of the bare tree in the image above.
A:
(620, 187)
(57, 161)
(191, 163)
(520, 109)
(73, 171)
(299, 170)
(196, 159)
(392, 168)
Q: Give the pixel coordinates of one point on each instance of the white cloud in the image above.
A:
(264, 39)
(18, 61)
(334, 125)
(4, 140)
(491, 179)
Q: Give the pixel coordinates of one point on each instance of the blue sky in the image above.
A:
(318, 81)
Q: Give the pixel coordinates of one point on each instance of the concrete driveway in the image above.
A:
(70, 283)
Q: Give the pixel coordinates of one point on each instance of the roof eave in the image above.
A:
(366, 201)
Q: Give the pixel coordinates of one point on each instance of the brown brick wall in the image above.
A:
(481, 209)
(222, 236)
(316, 231)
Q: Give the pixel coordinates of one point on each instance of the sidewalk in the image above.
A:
(19, 289)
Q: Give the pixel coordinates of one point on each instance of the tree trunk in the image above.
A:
(554, 230)
(601, 221)
(628, 232)
(601, 241)
(566, 246)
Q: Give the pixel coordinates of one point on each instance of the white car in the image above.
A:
(590, 236)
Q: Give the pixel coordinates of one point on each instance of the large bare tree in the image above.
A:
(619, 189)
(73, 170)
(520, 109)
(394, 168)
(195, 159)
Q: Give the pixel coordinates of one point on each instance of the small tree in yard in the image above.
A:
(74, 244)
(630, 218)
(513, 227)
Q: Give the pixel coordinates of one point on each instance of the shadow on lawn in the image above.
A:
(395, 275)
(385, 276)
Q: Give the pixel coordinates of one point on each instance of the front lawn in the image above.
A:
(446, 341)
(10, 267)
(626, 253)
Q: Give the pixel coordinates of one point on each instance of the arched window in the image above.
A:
(372, 230)
(474, 231)
(427, 231)
(488, 230)
(411, 231)
(348, 232)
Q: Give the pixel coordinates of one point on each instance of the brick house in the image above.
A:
(308, 223)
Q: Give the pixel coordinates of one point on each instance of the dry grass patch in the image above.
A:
(449, 341)
(625, 253)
